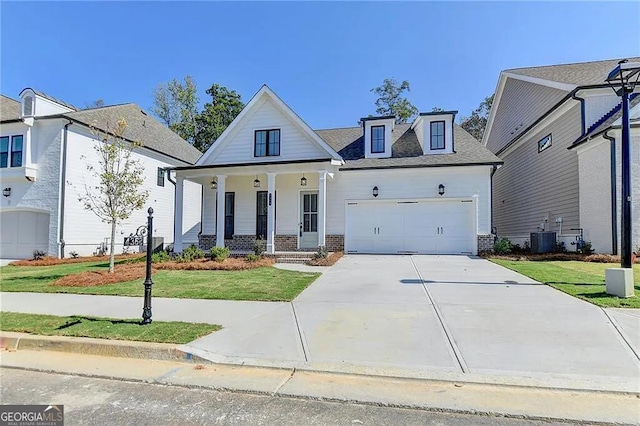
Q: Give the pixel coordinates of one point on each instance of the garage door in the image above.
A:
(397, 226)
(22, 232)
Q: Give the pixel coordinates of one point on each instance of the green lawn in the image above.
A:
(580, 279)
(105, 328)
(267, 284)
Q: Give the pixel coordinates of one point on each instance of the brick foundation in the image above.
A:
(205, 242)
(485, 243)
(335, 242)
(286, 242)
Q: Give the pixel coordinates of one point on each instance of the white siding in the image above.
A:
(294, 144)
(388, 128)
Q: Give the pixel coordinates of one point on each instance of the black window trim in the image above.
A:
(546, 147)
(444, 132)
(384, 139)
(255, 145)
(229, 226)
(160, 176)
(10, 151)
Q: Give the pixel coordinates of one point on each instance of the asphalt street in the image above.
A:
(100, 401)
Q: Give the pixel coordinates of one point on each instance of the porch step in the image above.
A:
(300, 260)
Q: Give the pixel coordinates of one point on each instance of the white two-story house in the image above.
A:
(45, 146)
(381, 187)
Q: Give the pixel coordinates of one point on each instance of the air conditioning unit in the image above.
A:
(543, 242)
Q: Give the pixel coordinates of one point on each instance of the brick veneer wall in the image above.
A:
(286, 242)
(283, 242)
(485, 243)
(205, 242)
(335, 242)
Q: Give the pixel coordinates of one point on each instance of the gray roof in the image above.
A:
(9, 108)
(578, 74)
(405, 149)
(141, 127)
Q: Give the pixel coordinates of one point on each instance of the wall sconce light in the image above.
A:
(214, 184)
(303, 181)
(375, 191)
(256, 183)
(441, 189)
(6, 192)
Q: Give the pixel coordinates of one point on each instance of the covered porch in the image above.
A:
(285, 205)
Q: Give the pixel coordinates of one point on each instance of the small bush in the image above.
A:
(586, 248)
(38, 254)
(193, 252)
(321, 253)
(560, 247)
(73, 254)
(125, 250)
(328, 261)
(218, 254)
(251, 258)
(502, 246)
(259, 247)
(160, 257)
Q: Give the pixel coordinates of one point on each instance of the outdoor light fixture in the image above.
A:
(623, 80)
(441, 189)
(303, 181)
(256, 183)
(214, 184)
(6, 192)
(375, 191)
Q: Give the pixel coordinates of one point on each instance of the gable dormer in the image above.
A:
(435, 131)
(37, 104)
(377, 136)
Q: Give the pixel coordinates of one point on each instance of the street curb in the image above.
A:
(89, 346)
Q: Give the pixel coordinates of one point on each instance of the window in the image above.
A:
(16, 151)
(310, 212)
(4, 151)
(544, 143)
(229, 207)
(437, 135)
(267, 143)
(377, 139)
(160, 176)
(261, 215)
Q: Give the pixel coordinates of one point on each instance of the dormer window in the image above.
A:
(437, 135)
(27, 106)
(377, 139)
(266, 143)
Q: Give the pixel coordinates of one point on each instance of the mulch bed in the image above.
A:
(229, 264)
(51, 261)
(597, 258)
(122, 273)
(328, 261)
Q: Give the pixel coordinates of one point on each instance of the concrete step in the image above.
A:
(300, 260)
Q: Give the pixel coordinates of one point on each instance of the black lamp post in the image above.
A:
(146, 310)
(623, 80)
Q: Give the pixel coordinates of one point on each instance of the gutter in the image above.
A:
(614, 194)
(63, 187)
(583, 118)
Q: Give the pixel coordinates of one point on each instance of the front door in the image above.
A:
(308, 219)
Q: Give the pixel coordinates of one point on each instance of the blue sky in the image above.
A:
(321, 58)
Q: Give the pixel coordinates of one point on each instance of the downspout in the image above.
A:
(493, 172)
(614, 195)
(63, 186)
(583, 118)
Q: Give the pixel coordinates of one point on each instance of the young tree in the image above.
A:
(391, 102)
(224, 107)
(176, 104)
(117, 194)
(476, 123)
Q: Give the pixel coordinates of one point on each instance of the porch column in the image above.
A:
(177, 218)
(271, 218)
(322, 207)
(220, 211)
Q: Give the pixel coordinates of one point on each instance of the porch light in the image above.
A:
(256, 183)
(6, 192)
(375, 191)
(214, 184)
(303, 181)
(441, 189)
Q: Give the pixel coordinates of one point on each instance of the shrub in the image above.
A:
(251, 258)
(125, 250)
(321, 253)
(38, 254)
(560, 247)
(193, 252)
(160, 257)
(73, 254)
(586, 247)
(259, 247)
(502, 246)
(218, 254)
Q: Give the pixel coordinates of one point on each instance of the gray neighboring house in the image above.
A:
(558, 129)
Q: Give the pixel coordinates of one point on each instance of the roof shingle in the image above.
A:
(9, 109)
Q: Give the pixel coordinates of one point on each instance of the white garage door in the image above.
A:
(22, 232)
(394, 226)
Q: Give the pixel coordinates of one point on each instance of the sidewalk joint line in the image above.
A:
(456, 351)
(295, 317)
(621, 333)
(284, 382)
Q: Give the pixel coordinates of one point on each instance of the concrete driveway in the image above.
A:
(435, 316)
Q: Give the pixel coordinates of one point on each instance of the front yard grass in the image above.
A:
(105, 328)
(580, 279)
(263, 284)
